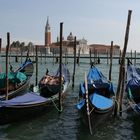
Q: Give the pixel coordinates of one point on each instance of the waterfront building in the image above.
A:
(104, 49)
(68, 45)
(82, 46)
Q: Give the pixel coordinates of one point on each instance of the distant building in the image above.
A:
(47, 43)
(104, 49)
(82, 46)
(68, 45)
(47, 34)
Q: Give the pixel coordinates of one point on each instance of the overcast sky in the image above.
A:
(98, 21)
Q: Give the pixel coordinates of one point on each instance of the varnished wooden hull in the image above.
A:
(15, 113)
(47, 89)
(21, 89)
(17, 92)
(97, 117)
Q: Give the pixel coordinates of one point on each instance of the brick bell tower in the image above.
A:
(47, 34)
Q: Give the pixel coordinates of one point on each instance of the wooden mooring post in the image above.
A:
(74, 63)
(131, 55)
(21, 51)
(107, 56)
(90, 56)
(87, 104)
(60, 67)
(7, 52)
(41, 56)
(0, 44)
(135, 58)
(94, 55)
(99, 58)
(16, 58)
(121, 80)
(111, 53)
(0, 54)
(36, 60)
(78, 58)
(53, 56)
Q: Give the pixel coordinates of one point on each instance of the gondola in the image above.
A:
(50, 84)
(98, 105)
(133, 87)
(31, 104)
(18, 80)
(23, 107)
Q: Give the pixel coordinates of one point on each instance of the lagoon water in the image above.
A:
(68, 125)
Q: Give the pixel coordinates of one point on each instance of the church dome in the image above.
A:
(70, 37)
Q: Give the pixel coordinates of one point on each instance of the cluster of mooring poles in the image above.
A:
(121, 79)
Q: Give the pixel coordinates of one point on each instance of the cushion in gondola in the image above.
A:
(100, 101)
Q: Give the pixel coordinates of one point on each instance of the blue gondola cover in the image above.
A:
(26, 99)
(101, 102)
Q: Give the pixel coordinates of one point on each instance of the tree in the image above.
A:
(30, 47)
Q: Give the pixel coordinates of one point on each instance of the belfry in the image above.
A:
(47, 33)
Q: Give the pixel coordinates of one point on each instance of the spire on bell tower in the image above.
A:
(47, 28)
(47, 33)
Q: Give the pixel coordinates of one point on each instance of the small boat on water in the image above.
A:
(18, 80)
(50, 84)
(23, 107)
(133, 87)
(31, 104)
(96, 103)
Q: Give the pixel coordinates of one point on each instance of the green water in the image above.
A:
(68, 125)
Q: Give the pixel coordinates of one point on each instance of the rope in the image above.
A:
(56, 105)
(125, 109)
(91, 110)
(115, 101)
